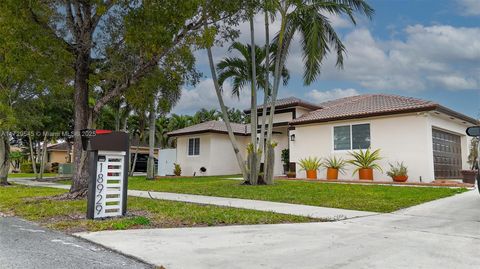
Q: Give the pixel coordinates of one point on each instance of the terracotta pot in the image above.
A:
(365, 174)
(400, 178)
(468, 176)
(312, 174)
(332, 174)
(291, 174)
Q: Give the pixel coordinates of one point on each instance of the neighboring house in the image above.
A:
(59, 153)
(429, 138)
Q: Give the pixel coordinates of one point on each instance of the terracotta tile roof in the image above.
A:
(364, 106)
(212, 127)
(289, 102)
(58, 147)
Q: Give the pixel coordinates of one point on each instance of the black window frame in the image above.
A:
(193, 146)
(352, 136)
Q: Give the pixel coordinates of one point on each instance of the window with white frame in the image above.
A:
(193, 146)
(348, 137)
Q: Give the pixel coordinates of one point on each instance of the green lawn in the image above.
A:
(30, 175)
(142, 213)
(348, 196)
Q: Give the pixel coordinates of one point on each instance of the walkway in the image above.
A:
(283, 208)
(441, 234)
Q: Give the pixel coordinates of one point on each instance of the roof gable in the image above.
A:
(213, 127)
(288, 102)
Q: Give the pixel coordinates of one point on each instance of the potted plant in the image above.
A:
(365, 161)
(398, 172)
(310, 165)
(468, 176)
(334, 165)
(291, 174)
(286, 160)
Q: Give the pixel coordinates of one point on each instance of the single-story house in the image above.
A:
(61, 153)
(428, 137)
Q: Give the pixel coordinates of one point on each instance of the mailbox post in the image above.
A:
(108, 172)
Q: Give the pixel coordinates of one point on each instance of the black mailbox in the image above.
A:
(108, 153)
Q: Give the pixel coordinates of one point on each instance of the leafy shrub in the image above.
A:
(310, 163)
(286, 156)
(366, 159)
(177, 170)
(27, 168)
(398, 169)
(335, 163)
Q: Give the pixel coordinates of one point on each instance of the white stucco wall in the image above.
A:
(222, 156)
(278, 117)
(216, 154)
(191, 164)
(400, 138)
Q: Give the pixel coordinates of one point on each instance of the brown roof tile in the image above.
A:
(212, 127)
(364, 106)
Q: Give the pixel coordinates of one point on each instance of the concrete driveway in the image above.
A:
(439, 234)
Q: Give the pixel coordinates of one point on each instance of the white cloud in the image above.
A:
(454, 82)
(204, 96)
(321, 96)
(470, 7)
(430, 57)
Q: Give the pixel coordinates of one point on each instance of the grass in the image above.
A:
(69, 215)
(374, 198)
(30, 175)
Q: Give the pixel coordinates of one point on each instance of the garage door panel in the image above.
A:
(447, 154)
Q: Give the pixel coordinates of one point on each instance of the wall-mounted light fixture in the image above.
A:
(292, 137)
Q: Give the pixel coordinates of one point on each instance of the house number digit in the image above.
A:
(100, 187)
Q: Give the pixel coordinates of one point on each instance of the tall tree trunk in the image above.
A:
(32, 155)
(276, 82)
(266, 95)
(134, 161)
(80, 157)
(254, 118)
(43, 154)
(118, 115)
(151, 144)
(4, 162)
(223, 108)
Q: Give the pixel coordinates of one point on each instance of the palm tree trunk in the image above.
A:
(265, 98)
(42, 155)
(254, 118)
(4, 163)
(32, 155)
(151, 144)
(223, 108)
(276, 83)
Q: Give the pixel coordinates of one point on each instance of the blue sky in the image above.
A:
(428, 49)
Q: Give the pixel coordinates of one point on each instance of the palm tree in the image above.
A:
(239, 69)
(317, 38)
(204, 115)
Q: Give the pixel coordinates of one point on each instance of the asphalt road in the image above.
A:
(26, 245)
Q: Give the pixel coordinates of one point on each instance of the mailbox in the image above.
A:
(108, 153)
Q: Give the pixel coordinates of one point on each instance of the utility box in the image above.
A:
(108, 173)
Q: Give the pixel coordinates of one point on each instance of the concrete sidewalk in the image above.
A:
(282, 208)
(439, 234)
